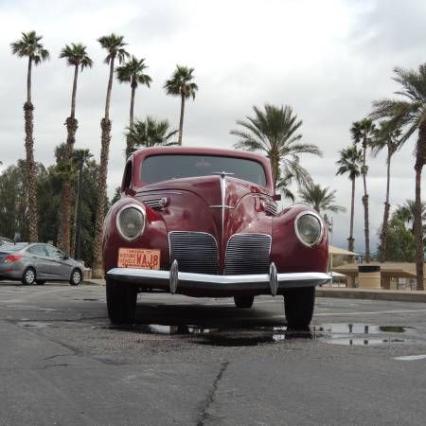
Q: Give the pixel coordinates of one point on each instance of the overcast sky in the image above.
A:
(328, 59)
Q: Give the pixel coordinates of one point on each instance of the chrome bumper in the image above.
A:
(175, 281)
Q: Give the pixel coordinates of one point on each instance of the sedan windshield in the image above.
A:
(157, 168)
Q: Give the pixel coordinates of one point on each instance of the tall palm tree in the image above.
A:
(409, 113)
(362, 133)
(77, 57)
(274, 131)
(321, 199)
(181, 84)
(386, 136)
(30, 46)
(115, 46)
(133, 72)
(149, 132)
(350, 163)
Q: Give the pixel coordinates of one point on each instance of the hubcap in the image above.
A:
(76, 277)
(29, 276)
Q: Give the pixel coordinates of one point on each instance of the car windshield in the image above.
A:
(157, 168)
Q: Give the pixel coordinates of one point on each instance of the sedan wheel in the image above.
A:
(75, 277)
(29, 276)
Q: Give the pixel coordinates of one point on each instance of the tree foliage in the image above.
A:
(275, 132)
(320, 199)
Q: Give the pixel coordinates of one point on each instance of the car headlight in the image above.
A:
(309, 228)
(131, 222)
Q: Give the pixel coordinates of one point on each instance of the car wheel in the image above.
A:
(243, 301)
(75, 278)
(40, 282)
(299, 307)
(29, 276)
(121, 302)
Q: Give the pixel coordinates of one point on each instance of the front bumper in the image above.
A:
(174, 281)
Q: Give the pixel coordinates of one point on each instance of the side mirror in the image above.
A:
(65, 256)
(276, 197)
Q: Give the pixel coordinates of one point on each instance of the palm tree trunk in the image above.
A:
(103, 171)
(385, 225)
(64, 231)
(129, 147)
(109, 89)
(418, 228)
(30, 164)
(182, 112)
(351, 225)
(132, 105)
(365, 203)
(275, 165)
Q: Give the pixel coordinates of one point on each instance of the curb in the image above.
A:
(93, 281)
(357, 293)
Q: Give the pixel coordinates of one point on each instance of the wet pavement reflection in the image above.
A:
(349, 334)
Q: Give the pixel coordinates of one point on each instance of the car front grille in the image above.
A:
(247, 254)
(194, 251)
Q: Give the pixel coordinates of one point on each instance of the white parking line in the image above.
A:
(395, 311)
(410, 357)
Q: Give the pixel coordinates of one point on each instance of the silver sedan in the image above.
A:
(36, 263)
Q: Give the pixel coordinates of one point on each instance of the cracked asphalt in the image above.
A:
(203, 361)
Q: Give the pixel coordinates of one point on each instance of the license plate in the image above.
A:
(138, 258)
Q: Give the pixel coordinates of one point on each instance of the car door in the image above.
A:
(38, 257)
(59, 267)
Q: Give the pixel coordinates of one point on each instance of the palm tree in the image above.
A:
(321, 199)
(350, 163)
(409, 113)
(114, 45)
(133, 72)
(386, 136)
(407, 212)
(181, 84)
(274, 131)
(149, 133)
(30, 46)
(362, 133)
(77, 57)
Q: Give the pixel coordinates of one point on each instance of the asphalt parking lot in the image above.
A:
(203, 361)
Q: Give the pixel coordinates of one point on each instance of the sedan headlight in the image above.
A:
(309, 228)
(131, 222)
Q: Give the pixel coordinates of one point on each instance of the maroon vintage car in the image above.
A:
(204, 222)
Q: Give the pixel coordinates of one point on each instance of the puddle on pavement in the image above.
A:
(348, 334)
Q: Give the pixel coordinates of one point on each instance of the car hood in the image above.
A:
(220, 205)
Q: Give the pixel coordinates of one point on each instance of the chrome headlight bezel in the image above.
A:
(320, 222)
(118, 225)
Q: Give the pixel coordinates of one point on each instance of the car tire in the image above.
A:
(75, 278)
(29, 276)
(40, 282)
(121, 302)
(299, 307)
(243, 301)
